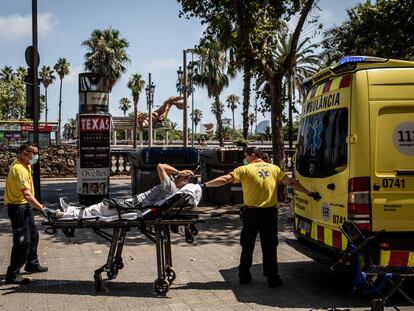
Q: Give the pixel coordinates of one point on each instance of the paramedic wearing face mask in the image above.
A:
(259, 181)
(20, 200)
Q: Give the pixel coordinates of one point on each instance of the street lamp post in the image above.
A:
(185, 83)
(149, 91)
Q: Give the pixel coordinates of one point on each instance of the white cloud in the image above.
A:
(20, 27)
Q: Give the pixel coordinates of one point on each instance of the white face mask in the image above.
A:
(245, 161)
(34, 159)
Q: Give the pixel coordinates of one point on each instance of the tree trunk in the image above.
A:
(290, 125)
(46, 105)
(232, 111)
(135, 122)
(60, 113)
(276, 118)
(247, 76)
(219, 124)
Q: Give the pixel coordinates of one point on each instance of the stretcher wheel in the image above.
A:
(50, 231)
(377, 305)
(112, 274)
(98, 282)
(161, 287)
(171, 276)
(189, 238)
(120, 265)
(193, 229)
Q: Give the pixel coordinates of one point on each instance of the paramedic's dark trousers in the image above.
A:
(264, 222)
(25, 238)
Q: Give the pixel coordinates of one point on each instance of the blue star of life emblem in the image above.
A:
(263, 174)
(314, 140)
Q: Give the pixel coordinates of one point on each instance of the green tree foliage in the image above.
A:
(213, 76)
(259, 24)
(124, 104)
(47, 76)
(135, 84)
(12, 95)
(252, 121)
(62, 69)
(232, 101)
(106, 54)
(383, 29)
(198, 115)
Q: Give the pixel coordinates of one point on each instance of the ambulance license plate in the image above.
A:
(305, 225)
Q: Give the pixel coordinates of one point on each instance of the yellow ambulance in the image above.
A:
(356, 148)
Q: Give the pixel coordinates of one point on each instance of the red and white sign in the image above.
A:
(42, 128)
(94, 123)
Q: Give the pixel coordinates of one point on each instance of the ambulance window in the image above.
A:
(322, 149)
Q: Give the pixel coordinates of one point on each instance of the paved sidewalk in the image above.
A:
(206, 270)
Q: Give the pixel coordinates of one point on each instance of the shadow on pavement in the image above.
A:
(73, 287)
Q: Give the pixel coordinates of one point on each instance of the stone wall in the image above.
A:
(56, 161)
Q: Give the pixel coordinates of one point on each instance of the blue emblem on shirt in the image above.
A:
(263, 174)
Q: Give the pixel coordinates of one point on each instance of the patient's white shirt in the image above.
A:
(102, 210)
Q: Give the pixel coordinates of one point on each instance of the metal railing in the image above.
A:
(120, 164)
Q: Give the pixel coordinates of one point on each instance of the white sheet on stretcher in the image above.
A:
(126, 216)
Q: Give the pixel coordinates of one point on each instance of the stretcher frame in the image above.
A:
(163, 220)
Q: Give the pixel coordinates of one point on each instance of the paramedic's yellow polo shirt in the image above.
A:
(18, 179)
(259, 181)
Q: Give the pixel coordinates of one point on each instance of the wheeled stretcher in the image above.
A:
(156, 223)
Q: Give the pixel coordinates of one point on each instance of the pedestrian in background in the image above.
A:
(20, 201)
(259, 180)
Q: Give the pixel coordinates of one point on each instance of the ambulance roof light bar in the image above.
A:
(361, 59)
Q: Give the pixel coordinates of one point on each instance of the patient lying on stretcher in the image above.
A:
(184, 182)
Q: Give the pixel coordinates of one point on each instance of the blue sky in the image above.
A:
(155, 33)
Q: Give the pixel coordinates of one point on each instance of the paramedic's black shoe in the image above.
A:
(18, 279)
(36, 269)
(63, 206)
(274, 282)
(245, 279)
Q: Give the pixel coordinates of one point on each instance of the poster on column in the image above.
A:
(93, 167)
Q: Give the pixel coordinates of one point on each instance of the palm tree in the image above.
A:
(217, 108)
(46, 74)
(135, 84)
(7, 73)
(212, 76)
(62, 69)
(303, 66)
(124, 105)
(21, 72)
(106, 54)
(252, 120)
(198, 115)
(232, 101)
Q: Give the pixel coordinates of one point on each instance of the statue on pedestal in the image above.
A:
(160, 115)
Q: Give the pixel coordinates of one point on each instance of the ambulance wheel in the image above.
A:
(171, 276)
(161, 287)
(377, 305)
(98, 282)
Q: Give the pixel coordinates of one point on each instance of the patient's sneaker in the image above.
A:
(49, 213)
(63, 205)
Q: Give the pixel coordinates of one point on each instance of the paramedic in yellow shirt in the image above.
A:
(259, 181)
(19, 199)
